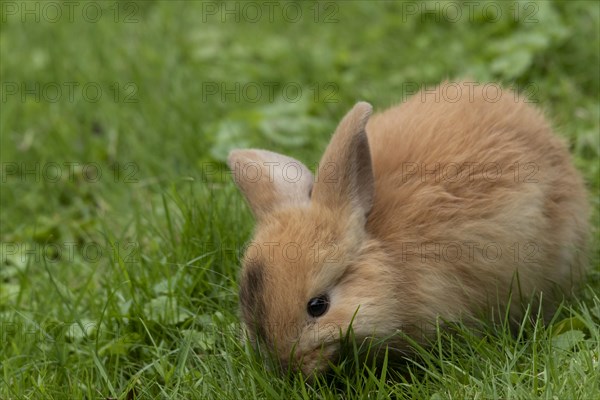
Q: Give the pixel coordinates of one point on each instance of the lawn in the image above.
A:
(121, 230)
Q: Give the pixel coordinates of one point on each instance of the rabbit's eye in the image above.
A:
(318, 306)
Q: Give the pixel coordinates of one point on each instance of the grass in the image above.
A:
(124, 285)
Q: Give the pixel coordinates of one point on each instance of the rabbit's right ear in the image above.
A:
(270, 180)
(345, 176)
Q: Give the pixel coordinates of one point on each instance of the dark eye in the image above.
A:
(318, 306)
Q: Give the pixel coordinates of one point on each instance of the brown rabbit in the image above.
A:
(457, 204)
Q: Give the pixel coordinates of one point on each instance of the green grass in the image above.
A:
(125, 285)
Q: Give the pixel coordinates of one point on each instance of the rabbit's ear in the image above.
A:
(269, 180)
(345, 176)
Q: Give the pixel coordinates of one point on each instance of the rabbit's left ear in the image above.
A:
(345, 177)
(270, 180)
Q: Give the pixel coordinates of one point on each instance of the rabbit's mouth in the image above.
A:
(313, 361)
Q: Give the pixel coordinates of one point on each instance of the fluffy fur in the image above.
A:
(444, 206)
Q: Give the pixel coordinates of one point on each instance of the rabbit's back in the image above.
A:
(471, 187)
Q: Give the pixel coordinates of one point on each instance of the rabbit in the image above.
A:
(458, 204)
